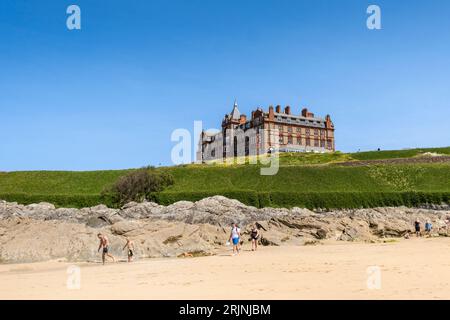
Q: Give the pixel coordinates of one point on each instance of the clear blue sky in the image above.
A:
(108, 96)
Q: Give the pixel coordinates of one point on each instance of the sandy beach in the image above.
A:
(409, 269)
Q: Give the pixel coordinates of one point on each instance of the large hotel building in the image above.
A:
(276, 130)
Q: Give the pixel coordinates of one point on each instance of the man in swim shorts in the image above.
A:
(130, 246)
(104, 243)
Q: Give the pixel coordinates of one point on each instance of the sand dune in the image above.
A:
(410, 269)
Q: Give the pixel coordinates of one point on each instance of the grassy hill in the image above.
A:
(311, 180)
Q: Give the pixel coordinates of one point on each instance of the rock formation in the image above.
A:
(40, 232)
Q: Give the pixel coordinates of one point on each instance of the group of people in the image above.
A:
(104, 245)
(428, 228)
(417, 227)
(235, 238)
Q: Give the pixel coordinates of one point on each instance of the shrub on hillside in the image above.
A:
(138, 185)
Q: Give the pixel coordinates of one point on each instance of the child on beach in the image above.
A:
(104, 243)
(130, 246)
(428, 227)
(235, 237)
(417, 227)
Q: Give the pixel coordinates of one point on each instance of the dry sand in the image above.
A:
(410, 269)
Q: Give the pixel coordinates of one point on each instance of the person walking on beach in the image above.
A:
(254, 236)
(130, 246)
(104, 243)
(417, 227)
(235, 237)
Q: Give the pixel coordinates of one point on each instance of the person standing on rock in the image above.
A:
(254, 236)
(235, 237)
(130, 246)
(104, 243)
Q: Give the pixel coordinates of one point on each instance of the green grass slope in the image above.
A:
(397, 154)
(308, 180)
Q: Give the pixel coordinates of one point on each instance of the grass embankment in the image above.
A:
(306, 180)
(62, 188)
(398, 154)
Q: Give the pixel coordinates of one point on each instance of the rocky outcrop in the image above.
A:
(41, 232)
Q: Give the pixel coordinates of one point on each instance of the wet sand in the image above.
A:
(409, 269)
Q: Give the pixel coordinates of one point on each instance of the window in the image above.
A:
(289, 129)
(281, 140)
(299, 129)
(247, 146)
(289, 140)
(308, 142)
(316, 143)
(213, 152)
(322, 143)
(235, 145)
(307, 131)
(299, 140)
(316, 132)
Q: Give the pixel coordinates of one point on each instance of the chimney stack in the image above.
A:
(306, 113)
(287, 110)
(278, 109)
(328, 123)
(271, 114)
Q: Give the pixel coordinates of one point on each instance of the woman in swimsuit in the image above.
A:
(254, 236)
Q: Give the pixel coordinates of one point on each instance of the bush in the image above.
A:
(312, 200)
(59, 200)
(137, 185)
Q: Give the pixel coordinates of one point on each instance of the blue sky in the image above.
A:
(108, 96)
